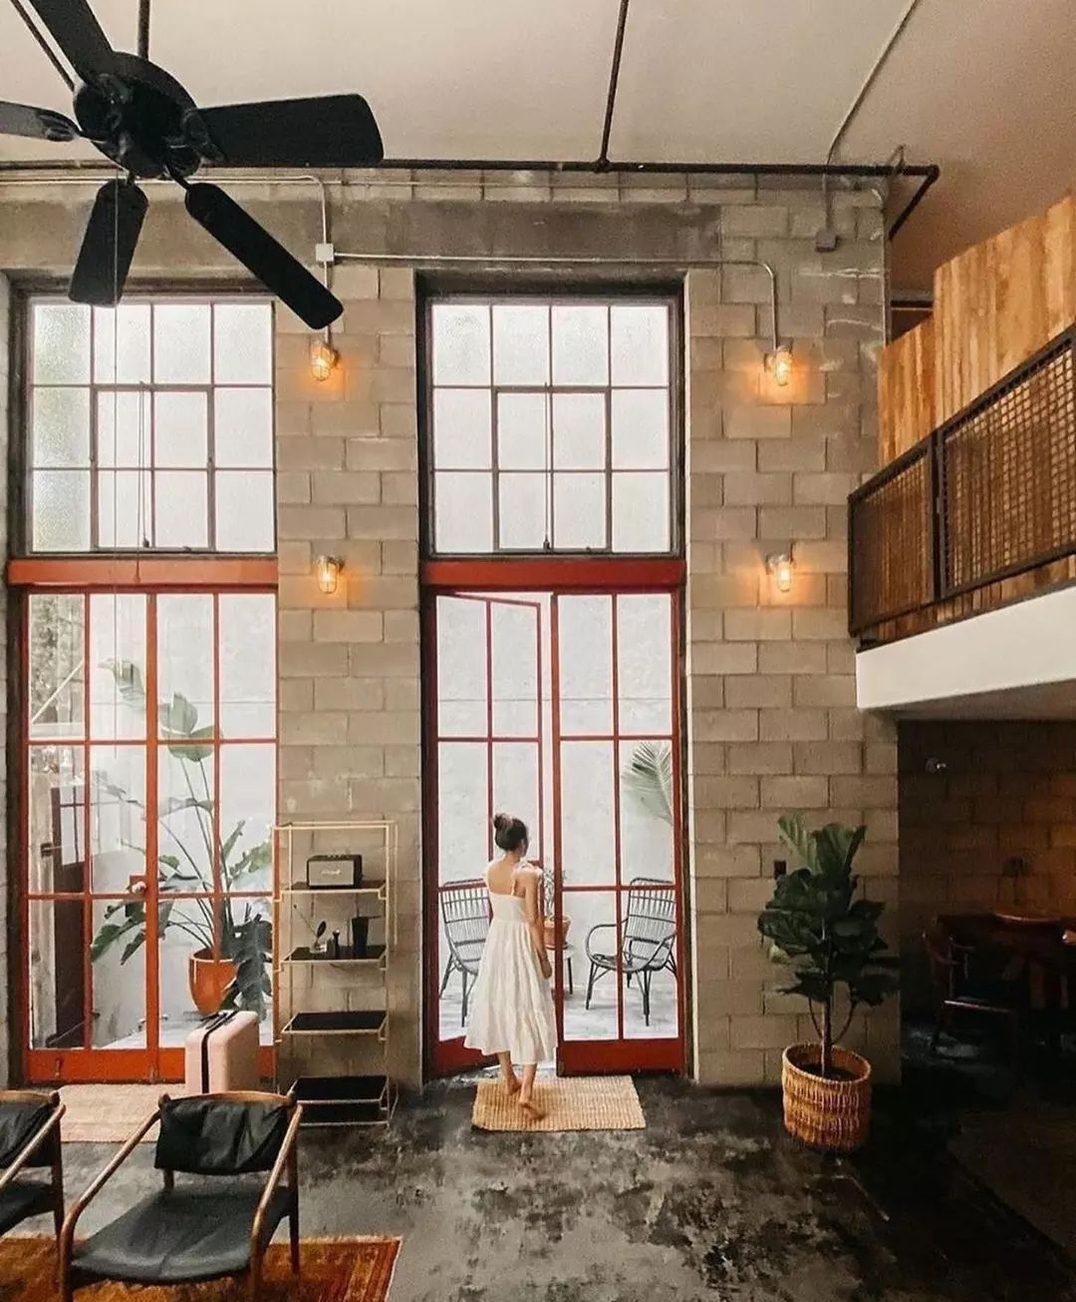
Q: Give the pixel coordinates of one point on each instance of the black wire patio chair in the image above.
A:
(465, 915)
(647, 938)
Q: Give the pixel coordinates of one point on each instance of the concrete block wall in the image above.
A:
(772, 724)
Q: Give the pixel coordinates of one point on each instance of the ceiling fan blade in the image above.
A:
(326, 131)
(37, 123)
(109, 244)
(72, 25)
(256, 249)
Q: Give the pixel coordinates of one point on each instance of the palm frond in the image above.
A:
(649, 778)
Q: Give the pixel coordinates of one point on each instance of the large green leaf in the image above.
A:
(649, 778)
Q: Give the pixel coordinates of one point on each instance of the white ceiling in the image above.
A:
(984, 87)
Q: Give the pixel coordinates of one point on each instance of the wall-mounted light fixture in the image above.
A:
(779, 364)
(327, 569)
(323, 359)
(781, 566)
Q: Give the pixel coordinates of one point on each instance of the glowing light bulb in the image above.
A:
(323, 359)
(781, 567)
(781, 364)
(327, 569)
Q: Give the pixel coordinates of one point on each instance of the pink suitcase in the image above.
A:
(223, 1055)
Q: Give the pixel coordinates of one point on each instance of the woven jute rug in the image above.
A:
(569, 1103)
(109, 1114)
(331, 1270)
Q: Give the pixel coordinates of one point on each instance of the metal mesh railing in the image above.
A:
(989, 495)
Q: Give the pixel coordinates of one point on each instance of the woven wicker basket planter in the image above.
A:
(829, 1114)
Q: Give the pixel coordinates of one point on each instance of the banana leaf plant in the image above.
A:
(243, 934)
(829, 937)
(649, 778)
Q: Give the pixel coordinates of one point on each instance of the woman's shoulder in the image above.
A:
(527, 872)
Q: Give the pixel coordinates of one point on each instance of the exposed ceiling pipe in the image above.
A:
(614, 77)
(826, 239)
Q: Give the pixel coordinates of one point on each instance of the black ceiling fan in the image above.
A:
(142, 119)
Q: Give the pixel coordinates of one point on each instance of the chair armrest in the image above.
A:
(598, 926)
(67, 1234)
(32, 1147)
(290, 1137)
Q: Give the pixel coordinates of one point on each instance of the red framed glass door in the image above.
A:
(563, 709)
(148, 798)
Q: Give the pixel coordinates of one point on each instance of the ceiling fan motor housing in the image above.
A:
(137, 115)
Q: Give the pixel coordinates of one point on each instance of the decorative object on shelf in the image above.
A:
(229, 968)
(829, 938)
(360, 936)
(326, 872)
(318, 946)
(1016, 870)
(334, 945)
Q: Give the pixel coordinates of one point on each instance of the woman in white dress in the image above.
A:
(511, 1007)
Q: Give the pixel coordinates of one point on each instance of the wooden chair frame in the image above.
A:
(56, 1166)
(946, 956)
(287, 1163)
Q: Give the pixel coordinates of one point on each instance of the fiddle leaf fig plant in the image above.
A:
(242, 933)
(818, 926)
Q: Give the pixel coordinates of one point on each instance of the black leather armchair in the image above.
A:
(30, 1139)
(216, 1227)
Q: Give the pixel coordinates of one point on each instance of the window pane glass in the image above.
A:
(123, 437)
(57, 814)
(463, 512)
(117, 817)
(651, 1009)
(588, 910)
(247, 802)
(121, 344)
(579, 431)
(580, 345)
(640, 343)
(578, 511)
(247, 664)
(461, 344)
(245, 511)
(184, 665)
(55, 974)
(179, 430)
(515, 678)
(461, 438)
(522, 431)
(523, 511)
(61, 343)
(181, 343)
(185, 817)
(515, 785)
(181, 511)
(61, 427)
(461, 674)
(124, 509)
(61, 510)
(520, 344)
(119, 987)
(242, 343)
(644, 650)
(640, 512)
(117, 671)
(462, 802)
(640, 429)
(585, 637)
(57, 693)
(243, 427)
(646, 829)
(588, 842)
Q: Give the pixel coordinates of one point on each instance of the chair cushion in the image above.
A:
(21, 1199)
(19, 1122)
(207, 1136)
(178, 1235)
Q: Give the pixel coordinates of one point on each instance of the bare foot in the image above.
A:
(511, 1084)
(531, 1110)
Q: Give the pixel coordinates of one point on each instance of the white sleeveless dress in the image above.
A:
(511, 1007)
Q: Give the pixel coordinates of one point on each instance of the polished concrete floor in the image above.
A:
(711, 1201)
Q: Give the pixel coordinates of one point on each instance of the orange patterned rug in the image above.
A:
(333, 1270)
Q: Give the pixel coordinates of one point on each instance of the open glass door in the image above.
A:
(487, 734)
(616, 850)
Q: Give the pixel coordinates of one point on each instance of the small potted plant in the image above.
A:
(829, 938)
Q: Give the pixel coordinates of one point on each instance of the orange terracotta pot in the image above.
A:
(549, 931)
(210, 976)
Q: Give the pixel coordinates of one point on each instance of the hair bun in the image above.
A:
(500, 822)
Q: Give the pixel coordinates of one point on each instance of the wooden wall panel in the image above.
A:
(995, 305)
(906, 392)
(998, 303)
